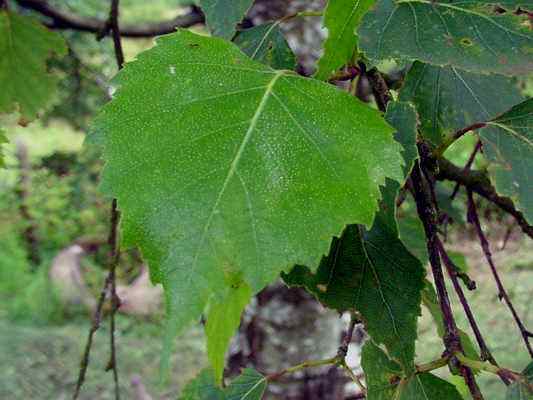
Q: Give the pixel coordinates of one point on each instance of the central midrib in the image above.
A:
(235, 162)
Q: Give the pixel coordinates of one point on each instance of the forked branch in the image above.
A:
(473, 218)
(60, 19)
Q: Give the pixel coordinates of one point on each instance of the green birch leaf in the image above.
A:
(385, 380)
(508, 145)
(341, 18)
(266, 43)
(225, 167)
(202, 387)
(249, 385)
(520, 390)
(25, 46)
(373, 273)
(3, 139)
(448, 99)
(469, 35)
(223, 319)
(222, 16)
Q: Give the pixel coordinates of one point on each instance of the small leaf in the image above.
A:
(223, 319)
(508, 145)
(448, 99)
(469, 35)
(224, 167)
(25, 46)
(341, 18)
(385, 380)
(202, 388)
(249, 385)
(222, 16)
(266, 43)
(520, 390)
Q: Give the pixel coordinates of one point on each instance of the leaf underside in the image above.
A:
(25, 46)
(468, 35)
(224, 167)
(508, 145)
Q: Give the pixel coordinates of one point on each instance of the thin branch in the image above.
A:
(452, 273)
(433, 365)
(479, 183)
(110, 282)
(347, 74)
(115, 33)
(115, 215)
(94, 327)
(380, 90)
(457, 135)
(473, 218)
(467, 167)
(353, 377)
(64, 20)
(451, 339)
(306, 364)
(22, 191)
(501, 372)
(343, 351)
(347, 337)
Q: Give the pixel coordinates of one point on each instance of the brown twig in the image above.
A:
(22, 191)
(473, 218)
(64, 20)
(88, 345)
(115, 216)
(380, 90)
(472, 127)
(427, 214)
(479, 183)
(110, 282)
(452, 273)
(347, 337)
(346, 75)
(467, 167)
